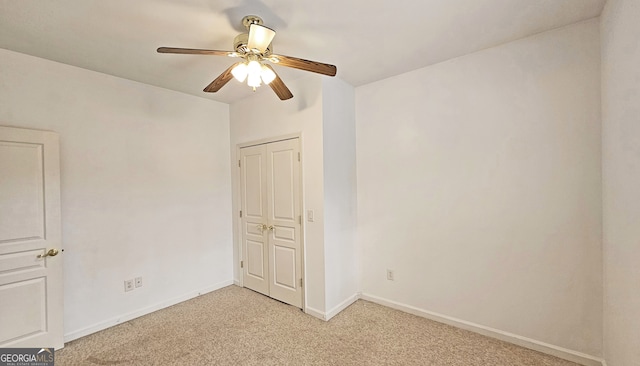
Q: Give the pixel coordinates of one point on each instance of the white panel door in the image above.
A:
(253, 170)
(271, 228)
(283, 197)
(30, 239)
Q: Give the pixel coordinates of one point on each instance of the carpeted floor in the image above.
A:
(236, 326)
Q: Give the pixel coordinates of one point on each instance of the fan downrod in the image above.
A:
(251, 19)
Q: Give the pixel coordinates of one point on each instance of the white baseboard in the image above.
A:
(315, 313)
(144, 311)
(237, 283)
(341, 306)
(333, 312)
(533, 344)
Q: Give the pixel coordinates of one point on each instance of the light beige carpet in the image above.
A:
(236, 326)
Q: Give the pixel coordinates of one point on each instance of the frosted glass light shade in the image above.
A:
(260, 37)
(254, 67)
(267, 74)
(240, 72)
(253, 78)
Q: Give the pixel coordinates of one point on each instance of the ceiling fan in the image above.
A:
(254, 48)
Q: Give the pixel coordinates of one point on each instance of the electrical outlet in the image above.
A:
(128, 285)
(138, 281)
(390, 275)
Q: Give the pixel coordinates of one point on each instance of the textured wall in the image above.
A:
(145, 186)
(339, 145)
(621, 174)
(479, 183)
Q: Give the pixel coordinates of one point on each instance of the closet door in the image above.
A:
(283, 215)
(271, 221)
(253, 181)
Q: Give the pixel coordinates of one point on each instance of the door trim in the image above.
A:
(238, 221)
(268, 140)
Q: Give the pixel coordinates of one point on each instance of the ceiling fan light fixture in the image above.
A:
(254, 72)
(260, 37)
(254, 69)
(254, 80)
(240, 72)
(267, 74)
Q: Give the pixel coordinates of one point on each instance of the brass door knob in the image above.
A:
(272, 227)
(50, 253)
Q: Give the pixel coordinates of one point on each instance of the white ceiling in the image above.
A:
(367, 40)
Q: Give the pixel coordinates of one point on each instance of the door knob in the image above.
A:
(50, 253)
(262, 227)
(272, 227)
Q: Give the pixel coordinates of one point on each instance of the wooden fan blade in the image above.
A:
(278, 87)
(221, 80)
(306, 65)
(193, 51)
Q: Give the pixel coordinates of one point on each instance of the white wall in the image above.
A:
(479, 183)
(262, 116)
(145, 185)
(339, 145)
(621, 174)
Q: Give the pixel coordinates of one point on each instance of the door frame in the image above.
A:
(236, 217)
